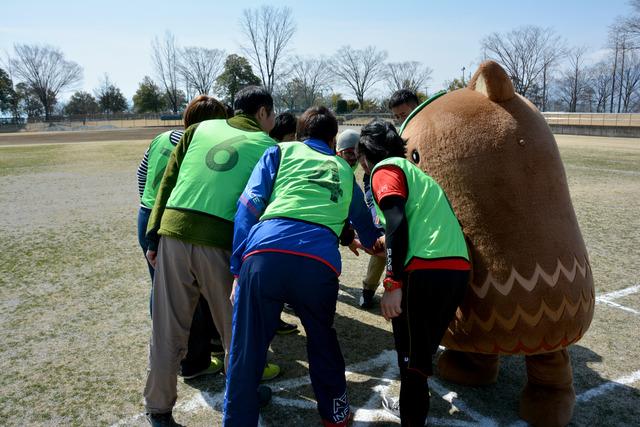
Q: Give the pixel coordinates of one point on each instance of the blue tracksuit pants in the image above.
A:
(267, 281)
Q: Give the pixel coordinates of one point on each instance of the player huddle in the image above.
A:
(242, 214)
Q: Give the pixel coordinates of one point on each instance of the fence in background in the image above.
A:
(566, 121)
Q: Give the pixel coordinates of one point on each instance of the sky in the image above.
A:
(115, 36)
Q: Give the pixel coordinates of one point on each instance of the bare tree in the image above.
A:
(407, 75)
(312, 77)
(359, 69)
(526, 53)
(288, 95)
(631, 24)
(166, 60)
(600, 81)
(200, 67)
(573, 83)
(45, 71)
(268, 30)
(630, 83)
(553, 51)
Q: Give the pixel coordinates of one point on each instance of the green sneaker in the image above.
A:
(271, 371)
(215, 367)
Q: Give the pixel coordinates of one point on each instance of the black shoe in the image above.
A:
(216, 348)
(391, 405)
(162, 420)
(285, 328)
(264, 395)
(366, 300)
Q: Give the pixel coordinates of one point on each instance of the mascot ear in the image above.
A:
(492, 81)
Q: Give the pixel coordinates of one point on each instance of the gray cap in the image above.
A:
(347, 139)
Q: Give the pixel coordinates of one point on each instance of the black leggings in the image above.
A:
(429, 302)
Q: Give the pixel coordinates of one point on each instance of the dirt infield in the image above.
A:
(74, 295)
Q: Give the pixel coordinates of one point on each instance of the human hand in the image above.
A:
(378, 248)
(390, 304)
(355, 245)
(152, 258)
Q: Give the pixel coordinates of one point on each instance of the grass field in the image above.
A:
(74, 303)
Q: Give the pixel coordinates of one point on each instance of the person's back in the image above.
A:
(191, 226)
(288, 223)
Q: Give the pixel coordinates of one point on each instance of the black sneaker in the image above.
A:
(285, 328)
(366, 300)
(216, 348)
(162, 420)
(264, 395)
(391, 405)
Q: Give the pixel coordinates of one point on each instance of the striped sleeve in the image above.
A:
(175, 136)
(142, 172)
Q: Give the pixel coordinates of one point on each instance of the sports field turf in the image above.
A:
(74, 302)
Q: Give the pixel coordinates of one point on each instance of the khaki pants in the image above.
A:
(183, 272)
(374, 272)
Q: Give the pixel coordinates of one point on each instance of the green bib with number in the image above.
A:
(311, 186)
(157, 159)
(434, 230)
(216, 168)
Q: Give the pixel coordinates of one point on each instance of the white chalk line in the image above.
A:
(371, 411)
(619, 306)
(610, 296)
(367, 413)
(606, 387)
(619, 293)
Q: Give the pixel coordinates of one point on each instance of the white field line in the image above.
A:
(620, 306)
(609, 297)
(371, 411)
(606, 387)
(449, 396)
(619, 293)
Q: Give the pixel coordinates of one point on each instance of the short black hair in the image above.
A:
(380, 140)
(403, 96)
(251, 98)
(285, 124)
(230, 112)
(317, 123)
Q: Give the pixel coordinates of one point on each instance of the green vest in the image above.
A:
(434, 230)
(311, 186)
(216, 168)
(157, 159)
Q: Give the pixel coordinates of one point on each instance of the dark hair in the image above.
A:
(379, 140)
(230, 112)
(285, 124)
(201, 108)
(317, 123)
(251, 98)
(403, 96)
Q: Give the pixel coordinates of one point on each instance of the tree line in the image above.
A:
(542, 67)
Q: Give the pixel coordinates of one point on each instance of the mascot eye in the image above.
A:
(415, 157)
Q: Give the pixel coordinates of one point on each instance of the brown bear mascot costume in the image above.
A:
(531, 291)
